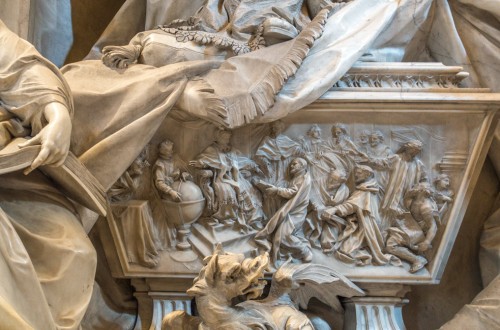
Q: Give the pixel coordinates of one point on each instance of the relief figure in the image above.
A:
(324, 234)
(379, 150)
(315, 151)
(361, 242)
(167, 169)
(281, 233)
(414, 231)
(275, 153)
(406, 170)
(443, 194)
(234, 197)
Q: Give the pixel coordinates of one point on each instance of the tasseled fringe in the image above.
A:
(216, 109)
(262, 95)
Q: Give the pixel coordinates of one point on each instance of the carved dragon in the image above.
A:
(228, 284)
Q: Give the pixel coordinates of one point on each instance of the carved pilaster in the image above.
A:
(380, 309)
(164, 303)
(374, 313)
(154, 304)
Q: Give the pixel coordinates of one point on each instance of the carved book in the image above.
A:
(72, 177)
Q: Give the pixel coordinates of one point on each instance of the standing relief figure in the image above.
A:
(280, 235)
(405, 170)
(234, 199)
(274, 154)
(379, 150)
(125, 187)
(315, 152)
(169, 168)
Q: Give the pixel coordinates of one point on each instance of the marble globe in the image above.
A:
(190, 208)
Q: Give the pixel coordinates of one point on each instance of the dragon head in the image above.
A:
(228, 275)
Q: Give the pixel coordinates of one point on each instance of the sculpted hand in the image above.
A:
(54, 137)
(177, 197)
(325, 216)
(424, 246)
(272, 190)
(195, 163)
(120, 57)
(185, 176)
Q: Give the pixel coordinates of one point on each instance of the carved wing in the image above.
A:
(308, 281)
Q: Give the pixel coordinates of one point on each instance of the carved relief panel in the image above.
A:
(375, 190)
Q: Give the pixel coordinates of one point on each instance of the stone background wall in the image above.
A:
(90, 18)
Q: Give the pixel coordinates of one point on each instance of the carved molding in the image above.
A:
(401, 76)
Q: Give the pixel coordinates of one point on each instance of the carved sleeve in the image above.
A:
(28, 81)
(288, 192)
(161, 180)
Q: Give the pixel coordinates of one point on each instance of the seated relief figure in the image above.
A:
(234, 199)
(47, 263)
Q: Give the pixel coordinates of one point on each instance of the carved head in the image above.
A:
(364, 136)
(442, 181)
(166, 149)
(376, 138)
(223, 137)
(314, 132)
(277, 127)
(336, 178)
(338, 130)
(411, 148)
(227, 275)
(362, 173)
(297, 166)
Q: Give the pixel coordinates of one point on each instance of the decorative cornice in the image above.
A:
(400, 75)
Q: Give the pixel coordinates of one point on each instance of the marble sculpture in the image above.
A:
(362, 195)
